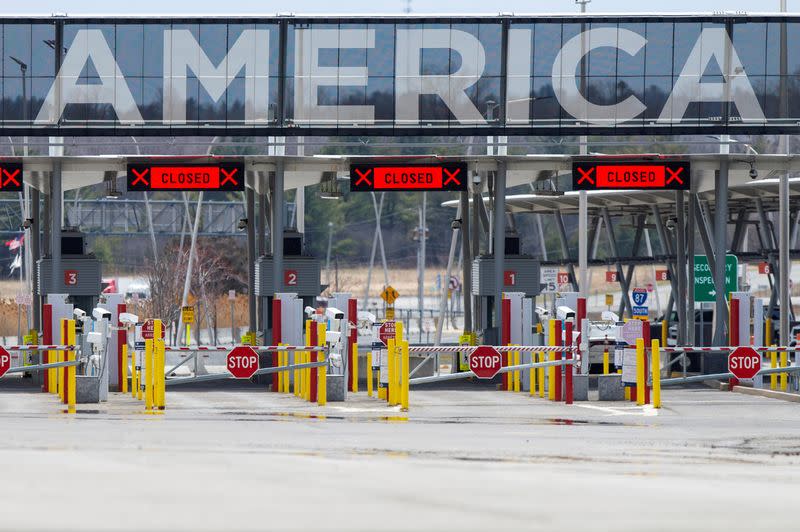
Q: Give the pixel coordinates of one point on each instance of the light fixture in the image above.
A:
(329, 186)
(242, 225)
(111, 186)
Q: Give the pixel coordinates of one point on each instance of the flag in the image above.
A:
(15, 244)
(17, 263)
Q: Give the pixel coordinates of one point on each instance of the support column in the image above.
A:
(720, 249)
(562, 233)
(57, 277)
(626, 297)
(466, 262)
(499, 224)
(680, 269)
(784, 258)
(250, 208)
(35, 247)
(637, 242)
(277, 227)
(691, 226)
(475, 238)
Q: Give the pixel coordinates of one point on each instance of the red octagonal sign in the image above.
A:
(744, 362)
(485, 362)
(242, 362)
(5, 361)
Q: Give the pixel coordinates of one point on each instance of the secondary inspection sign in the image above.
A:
(704, 290)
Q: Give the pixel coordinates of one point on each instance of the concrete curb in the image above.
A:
(771, 394)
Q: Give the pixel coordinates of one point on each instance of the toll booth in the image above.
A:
(301, 276)
(520, 328)
(520, 275)
(80, 276)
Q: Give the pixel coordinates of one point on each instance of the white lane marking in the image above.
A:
(645, 411)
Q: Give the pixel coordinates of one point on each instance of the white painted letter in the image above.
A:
(736, 88)
(567, 62)
(309, 76)
(250, 52)
(112, 89)
(410, 84)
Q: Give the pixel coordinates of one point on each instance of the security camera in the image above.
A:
(363, 315)
(476, 178)
(565, 313)
(27, 224)
(242, 224)
(101, 313)
(309, 311)
(753, 172)
(670, 224)
(94, 338)
(543, 313)
(456, 224)
(78, 313)
(334, 313)
(128, 318)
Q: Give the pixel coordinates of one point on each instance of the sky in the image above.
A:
(235, 7)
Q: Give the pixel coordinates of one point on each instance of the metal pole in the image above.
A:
(720, 249)
(378, 207)
(187, 282)
(437, 339)
(784, 221)
(328, 258)
(250, 214)
(277, 227)
(57, 275)
(690, 321)
(680, 268)
(35, 249)
(499, 216)
(466, 262)
(475, 238)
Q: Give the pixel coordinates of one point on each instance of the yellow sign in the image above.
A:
(390, 295)
(390, 313)
(187, 315)
(249, 338)
(463, 358)
(609, 300)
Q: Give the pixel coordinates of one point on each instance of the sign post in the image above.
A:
(485, 362)
(704, 289)
(242, 362)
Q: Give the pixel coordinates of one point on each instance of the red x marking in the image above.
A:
(228, 176)
(140, 176)
(363, 177)
(586, 176)
(11, 177)
(451, 176)
(674, 175)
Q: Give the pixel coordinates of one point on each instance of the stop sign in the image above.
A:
(242, 362)
(387, 331)
(744, 362)
(5, 361)
(485, 362)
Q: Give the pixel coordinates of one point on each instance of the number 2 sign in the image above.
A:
(290, 277)
(70, 277)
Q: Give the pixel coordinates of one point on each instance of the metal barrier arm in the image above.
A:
(714, 376)
(182, 362)
(41, 367)
(262, 371)
(506, 369)
(725, 349)
(260, 349)
(499, 348)
(41, 347)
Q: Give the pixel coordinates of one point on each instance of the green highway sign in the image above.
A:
(704, 281)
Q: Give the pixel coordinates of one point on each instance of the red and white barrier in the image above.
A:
(499, 348)
(40, 347)
(227, 348)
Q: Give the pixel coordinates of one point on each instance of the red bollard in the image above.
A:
(276, 338)
(733, 321)
(352, 316)
(569, 391)
(505, 338)
(558, 341)
(313, 384)
(47, 338)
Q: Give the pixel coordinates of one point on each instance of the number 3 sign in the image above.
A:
(70, 277)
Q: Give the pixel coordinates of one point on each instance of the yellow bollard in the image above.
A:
(188, 335)
(369, 373)
(52, 387)
(606, 362)
(664, 332)
(541, 375)
(124, 384)
(159, 378)
(148, 374)
(656, 365)
(534, 380)
(72, 370)
(784, 375)
(640, 375)
(390, 367)
(322, 371)
(551, 381)
(61, 358)
(404, 377)
(768, 331)
(517, 373)
(773, 363)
